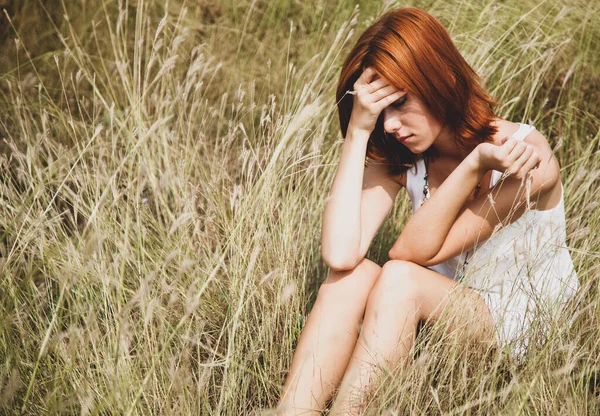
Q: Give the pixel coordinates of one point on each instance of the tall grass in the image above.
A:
(164, 169)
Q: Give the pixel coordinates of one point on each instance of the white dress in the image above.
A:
(524, 271)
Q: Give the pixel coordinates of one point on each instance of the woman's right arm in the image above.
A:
(355, 210)
(360, 197)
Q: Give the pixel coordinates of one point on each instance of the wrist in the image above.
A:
(355, 133)
(475, 163)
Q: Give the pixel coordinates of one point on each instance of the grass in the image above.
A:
(164, 170)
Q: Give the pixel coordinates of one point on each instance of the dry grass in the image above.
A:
(164, 169)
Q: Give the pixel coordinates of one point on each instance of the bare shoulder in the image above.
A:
(505, 129)
(547, 177)
(535, 138)
(377, 173)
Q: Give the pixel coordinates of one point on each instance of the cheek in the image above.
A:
(434, 126)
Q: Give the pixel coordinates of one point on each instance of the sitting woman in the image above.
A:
(488, 228)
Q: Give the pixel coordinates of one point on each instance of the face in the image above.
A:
(409, 116)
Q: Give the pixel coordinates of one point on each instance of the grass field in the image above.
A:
(164, 170)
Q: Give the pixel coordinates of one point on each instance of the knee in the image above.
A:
(398, 280)
(344, 286)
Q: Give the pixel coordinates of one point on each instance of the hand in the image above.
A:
(513, 157)
(371, 96)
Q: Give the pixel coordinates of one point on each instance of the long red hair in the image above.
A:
(413, 50)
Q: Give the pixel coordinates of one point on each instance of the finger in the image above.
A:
(533, 163)
(516, 168)
(384, 92)
(508, 156)
(529, 167)
(370, 99)
(509, 145)
(377, 84)
(373, 94)
(365, 77)
(383, 103)
(511, 160)
(516, 151)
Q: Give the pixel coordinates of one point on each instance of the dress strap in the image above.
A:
(522, 131)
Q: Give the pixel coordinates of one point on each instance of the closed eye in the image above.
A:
(398, 103)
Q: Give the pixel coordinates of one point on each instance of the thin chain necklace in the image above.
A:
(426, 196)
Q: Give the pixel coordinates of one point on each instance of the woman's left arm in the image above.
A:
(444, 226)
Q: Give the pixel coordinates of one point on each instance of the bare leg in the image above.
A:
(327, 340)
(404, 294)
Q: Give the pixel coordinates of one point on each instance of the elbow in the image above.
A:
(340, 264)
(401, 250)
(339, 257)
(397, 253)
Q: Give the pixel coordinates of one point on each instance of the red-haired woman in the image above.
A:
(488, 228)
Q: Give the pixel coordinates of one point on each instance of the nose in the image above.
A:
(391, 123)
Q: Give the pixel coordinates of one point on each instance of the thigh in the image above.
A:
(437, 297)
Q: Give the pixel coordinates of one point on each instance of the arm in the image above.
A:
(360, 197)
(444, 226)
(357, 205)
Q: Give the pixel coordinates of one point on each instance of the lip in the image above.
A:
(404, 138)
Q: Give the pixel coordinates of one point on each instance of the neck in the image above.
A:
(445, 148)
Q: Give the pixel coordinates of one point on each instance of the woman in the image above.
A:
(488, 227)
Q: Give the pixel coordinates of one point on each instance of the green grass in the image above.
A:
(164, 170)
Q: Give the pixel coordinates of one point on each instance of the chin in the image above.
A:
(411, 147)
